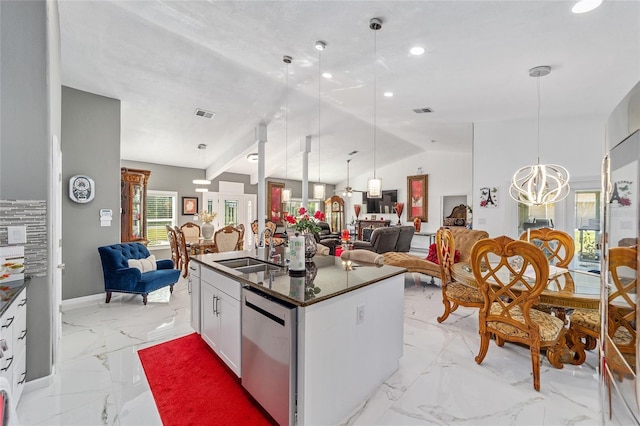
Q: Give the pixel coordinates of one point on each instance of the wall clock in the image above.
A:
(81, 189)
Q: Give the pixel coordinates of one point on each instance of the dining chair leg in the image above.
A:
(484, 347)
(448, 307)
(535, 364)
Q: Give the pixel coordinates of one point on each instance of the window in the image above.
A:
(161, 211)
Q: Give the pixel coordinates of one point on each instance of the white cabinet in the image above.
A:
(13, 333)
(220, 316)
(193, 285)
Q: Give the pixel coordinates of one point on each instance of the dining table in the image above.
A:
(201, 246)
(566, 289)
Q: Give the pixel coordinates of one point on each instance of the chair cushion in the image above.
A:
(412, 263)
(549, 326)
(433, 255)
(144, 265)
(463, 293)
(587, 318)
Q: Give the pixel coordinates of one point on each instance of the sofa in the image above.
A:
(130, 268)
(464, 239)
(383, 240)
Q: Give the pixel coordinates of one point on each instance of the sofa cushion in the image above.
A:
(144, 265)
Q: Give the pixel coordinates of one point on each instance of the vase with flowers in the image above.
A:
(307, 225)
(207, 227)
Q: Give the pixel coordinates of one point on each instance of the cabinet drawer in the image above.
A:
(223, 283)
(194, 269)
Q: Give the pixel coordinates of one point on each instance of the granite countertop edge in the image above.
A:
(210, 260)
(16, 287)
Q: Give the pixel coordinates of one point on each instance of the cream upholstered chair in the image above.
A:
(557, 246)
(191, 232)
(227, 238)
(454, 294)
(271, 226)
(509, 295)
(184, 253)
(173, 244)
(585, 323)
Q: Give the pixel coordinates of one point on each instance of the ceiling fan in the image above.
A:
(348, 191)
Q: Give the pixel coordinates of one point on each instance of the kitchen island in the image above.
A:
(347, 336)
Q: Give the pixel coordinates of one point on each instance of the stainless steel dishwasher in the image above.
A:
(269, 353)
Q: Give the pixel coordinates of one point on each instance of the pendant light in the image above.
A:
(202, 182)
(286, 192)
(539, 184)
(319, 188)
(374, 186)
(348, 191)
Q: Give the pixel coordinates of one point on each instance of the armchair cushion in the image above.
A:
(118, 276)
(144, 265)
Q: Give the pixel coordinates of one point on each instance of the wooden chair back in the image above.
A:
(191, 232)
(173, 244)
(446, 249)
(511, 274)
(183, 251)
(227, 238)
(241, 242)
(558, 246)
(621, 319)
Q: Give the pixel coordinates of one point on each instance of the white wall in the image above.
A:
(449, 174)
(500, 148)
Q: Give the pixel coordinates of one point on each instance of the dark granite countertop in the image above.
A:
(325, 278)
(8, 293)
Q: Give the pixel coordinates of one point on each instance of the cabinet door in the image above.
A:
(229, 347)
(137, 211)
(194, 286)
(209, 319)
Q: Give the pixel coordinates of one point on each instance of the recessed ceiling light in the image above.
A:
(320, 45)
(253, 157)
(327, 75)
(417, 51)
(388, 94)
(585, 6)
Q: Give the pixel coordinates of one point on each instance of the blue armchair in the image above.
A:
(118, 276)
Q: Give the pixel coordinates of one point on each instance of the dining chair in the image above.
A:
(271, 226)
(191, 232)
(503, 268)
(621, 310)
(173, 245)
(227, 238)
(558, 246)
(241, 241)
(454, 294)
(182, 250)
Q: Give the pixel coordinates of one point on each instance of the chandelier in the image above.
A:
(286, 192)
(539, 184)
(201, 182)
(318, 188)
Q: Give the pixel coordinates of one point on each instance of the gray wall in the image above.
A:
(24, 147)
(90, 146)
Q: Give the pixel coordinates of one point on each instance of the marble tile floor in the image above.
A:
(101, 382)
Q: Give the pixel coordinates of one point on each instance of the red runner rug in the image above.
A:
(192, 386)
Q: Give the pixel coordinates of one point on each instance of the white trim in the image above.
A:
(72, 303)
(39, 383)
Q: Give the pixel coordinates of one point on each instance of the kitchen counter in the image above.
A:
(325, 278)
(8, 293)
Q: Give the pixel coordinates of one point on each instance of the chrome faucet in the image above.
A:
(261, 241)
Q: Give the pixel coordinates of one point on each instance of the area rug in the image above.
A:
(192, 386)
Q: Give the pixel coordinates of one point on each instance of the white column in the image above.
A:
(305, 148)
(261, 138)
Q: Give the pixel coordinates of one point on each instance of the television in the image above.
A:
(381, 205)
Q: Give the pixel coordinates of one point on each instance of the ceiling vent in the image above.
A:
(422, 110)
(204, 114)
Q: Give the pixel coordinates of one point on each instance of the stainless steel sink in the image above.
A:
(240, 262)
(265, 267)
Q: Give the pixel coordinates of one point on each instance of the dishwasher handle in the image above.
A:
(264, 312)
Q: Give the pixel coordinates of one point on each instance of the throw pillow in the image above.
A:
(433, 255)
(144, 265)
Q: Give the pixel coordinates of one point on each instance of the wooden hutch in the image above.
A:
(133, 204)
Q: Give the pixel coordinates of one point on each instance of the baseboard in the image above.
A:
(36, 384)
(68, 303)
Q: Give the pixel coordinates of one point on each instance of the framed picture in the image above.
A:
(274, 201)
(488, 197)
(189, 205)
(417, 196)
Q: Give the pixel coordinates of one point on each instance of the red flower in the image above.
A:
(319, 215)
(302, 211)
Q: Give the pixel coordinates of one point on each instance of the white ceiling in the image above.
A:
(164, 59)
